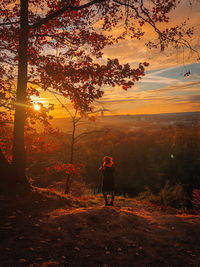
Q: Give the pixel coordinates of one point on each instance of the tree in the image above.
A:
(30, 30)
(75, 120)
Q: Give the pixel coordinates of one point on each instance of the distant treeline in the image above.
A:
(142, 159)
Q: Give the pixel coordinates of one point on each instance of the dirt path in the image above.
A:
(47, 235)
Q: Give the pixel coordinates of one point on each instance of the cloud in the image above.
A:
(195, 99)
(149, 78)
(180, 86)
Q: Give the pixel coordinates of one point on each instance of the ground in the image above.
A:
(40, 229)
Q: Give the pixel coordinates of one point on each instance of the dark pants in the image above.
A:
(106, 198)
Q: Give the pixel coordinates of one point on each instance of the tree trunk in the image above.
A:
(67, 186)
(72, 142)
(19, 155)
(6, 173)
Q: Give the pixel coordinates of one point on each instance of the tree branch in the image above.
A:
(8, 23)
(61, 11)
(78, 137)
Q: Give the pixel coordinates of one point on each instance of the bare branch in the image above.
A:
(8, 23)
(78, 137)
(68, 111)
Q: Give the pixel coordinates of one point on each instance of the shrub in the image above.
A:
(147, 195)
(174, 196)
(196, 199)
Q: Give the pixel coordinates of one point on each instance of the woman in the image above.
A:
(108, 179)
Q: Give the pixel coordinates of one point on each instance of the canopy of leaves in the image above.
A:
(65, 44)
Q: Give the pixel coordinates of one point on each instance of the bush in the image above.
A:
(174, 196)
(147, 195)
(196, 199)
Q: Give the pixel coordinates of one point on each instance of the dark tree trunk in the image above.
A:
(19, 155)
(67, 186)
(6, 173)
(72, 142)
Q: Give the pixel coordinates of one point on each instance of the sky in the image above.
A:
(165, 88)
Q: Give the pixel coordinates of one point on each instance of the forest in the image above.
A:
(144, 160)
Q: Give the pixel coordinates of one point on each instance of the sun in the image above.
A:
(36, 106)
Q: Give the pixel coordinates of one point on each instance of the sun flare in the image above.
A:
(36, 106)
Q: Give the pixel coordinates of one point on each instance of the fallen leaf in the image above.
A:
(39, 259)
(21, 237)
(176, 245)
(7, 224)
(22, 260)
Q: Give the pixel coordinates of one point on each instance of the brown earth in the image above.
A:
(40, 230)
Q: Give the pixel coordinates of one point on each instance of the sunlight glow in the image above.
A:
(36, 106)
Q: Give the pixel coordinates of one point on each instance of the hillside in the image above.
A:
(42, 229)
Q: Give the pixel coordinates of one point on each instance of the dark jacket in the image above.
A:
(108, 179)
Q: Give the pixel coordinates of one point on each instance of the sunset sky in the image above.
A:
(164, 89)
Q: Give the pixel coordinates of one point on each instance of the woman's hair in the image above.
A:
(108, 160)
